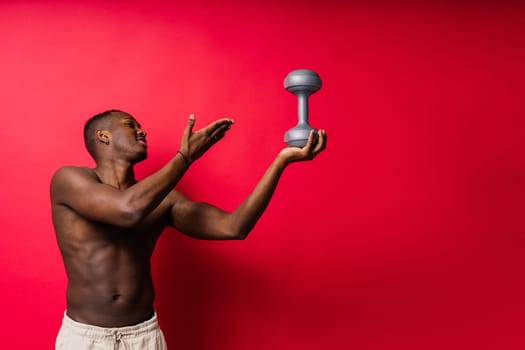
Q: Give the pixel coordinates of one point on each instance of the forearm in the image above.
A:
(205, 221)
(147, 194)
(244, 218)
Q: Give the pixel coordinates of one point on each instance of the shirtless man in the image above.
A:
(107, 224)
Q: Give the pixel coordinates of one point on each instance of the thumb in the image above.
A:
(189, 126)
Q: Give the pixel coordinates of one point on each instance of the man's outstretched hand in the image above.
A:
(308, 152)
(195, 144)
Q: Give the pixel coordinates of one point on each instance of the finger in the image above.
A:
(219, 128)
(308, 147)
(219, 136)
(189, 126)
(321, 143)
(210, 129)
(219, 132)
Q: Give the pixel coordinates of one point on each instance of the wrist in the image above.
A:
(185, 158)
(282, 160)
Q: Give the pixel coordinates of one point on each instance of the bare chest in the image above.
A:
(76, 234)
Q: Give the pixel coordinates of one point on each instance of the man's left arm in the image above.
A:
(205, 221)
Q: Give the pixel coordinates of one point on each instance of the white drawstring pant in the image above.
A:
(74, 335)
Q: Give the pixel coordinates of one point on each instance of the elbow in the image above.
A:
(238, 234)
(130, 216)
(230, 234)
(231, 229)
(236, 237)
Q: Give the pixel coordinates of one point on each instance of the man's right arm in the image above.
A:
(79, 189)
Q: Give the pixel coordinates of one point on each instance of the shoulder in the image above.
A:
(72, 172)
(71, 176)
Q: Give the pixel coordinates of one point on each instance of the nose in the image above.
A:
(141, 132)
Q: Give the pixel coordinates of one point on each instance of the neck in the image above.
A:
(116, 173)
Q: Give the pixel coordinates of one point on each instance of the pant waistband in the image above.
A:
(96, 332)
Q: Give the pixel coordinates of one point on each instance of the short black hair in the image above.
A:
(91, 127)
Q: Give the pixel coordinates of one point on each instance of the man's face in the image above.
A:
(128, 138)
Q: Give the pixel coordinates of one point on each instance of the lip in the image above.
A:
(142, 142)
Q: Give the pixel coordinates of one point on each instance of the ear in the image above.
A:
(104, 136)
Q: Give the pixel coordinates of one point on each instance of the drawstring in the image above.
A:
(118, 339)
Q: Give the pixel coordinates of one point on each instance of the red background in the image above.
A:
(406, 233)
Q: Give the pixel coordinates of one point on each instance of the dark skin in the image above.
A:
(107, 222)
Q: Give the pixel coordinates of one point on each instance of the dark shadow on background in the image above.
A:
(195, 288)
(196, 284)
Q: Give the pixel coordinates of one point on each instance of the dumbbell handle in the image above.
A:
(302, 107)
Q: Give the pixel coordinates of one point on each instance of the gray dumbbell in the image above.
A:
(302, 83)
